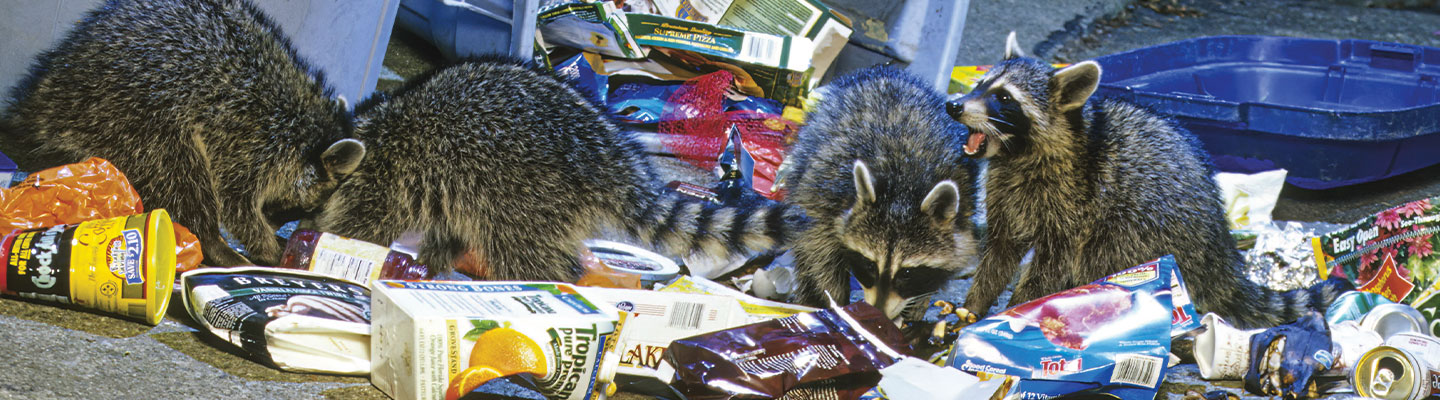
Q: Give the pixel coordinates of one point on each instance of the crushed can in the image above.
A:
(1352, 306)
(1394, 318)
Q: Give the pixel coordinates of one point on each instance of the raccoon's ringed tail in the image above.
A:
(679, 224)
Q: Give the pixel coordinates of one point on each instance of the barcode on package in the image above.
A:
(342, 266)
(763, 49)
(1137, 369)
(686, 315)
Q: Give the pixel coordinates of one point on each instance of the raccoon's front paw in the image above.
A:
(951, 320)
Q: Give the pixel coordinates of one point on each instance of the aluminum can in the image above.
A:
(1352, 306)
(1393, 318)
(1391, 373)
(1424, 346)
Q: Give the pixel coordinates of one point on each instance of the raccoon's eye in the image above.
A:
(1003, 96)
(915, 281)
(862, 268)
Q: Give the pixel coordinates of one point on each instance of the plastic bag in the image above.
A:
(1111, 336)
(776, 357)
(296, 320)
(1284, 359)
(74, 193)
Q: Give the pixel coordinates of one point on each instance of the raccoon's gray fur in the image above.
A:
(202, 104)
(514, 165)
(879, 170)
(1096, 186)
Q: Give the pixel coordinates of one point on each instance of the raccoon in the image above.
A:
(204, 107)
(497, 161)
(879, 170)
(1099, 185)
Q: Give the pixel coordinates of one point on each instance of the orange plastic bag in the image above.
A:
(74, 193)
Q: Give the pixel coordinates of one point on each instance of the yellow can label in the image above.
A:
(122, 265)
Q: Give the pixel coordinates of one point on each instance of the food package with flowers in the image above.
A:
(1391, 253)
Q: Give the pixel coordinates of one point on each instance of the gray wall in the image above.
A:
(344, 38)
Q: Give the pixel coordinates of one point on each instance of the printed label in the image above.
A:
(575, 352)
(39, 264)
(1434, 383)
(1137, 369)
(1325, 359)
(1388, 282)
(1136, 276)
(1058, 365)
(348, 259)
(124, 256)
(1429, 306)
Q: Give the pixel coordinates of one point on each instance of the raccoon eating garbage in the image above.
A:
(879, 170)
(1098, 185)
(508, 168)
(204, 107)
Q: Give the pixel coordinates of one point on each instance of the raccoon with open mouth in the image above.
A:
(1098, 185)
(878, 169)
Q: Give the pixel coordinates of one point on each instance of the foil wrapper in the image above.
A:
(1282, 257)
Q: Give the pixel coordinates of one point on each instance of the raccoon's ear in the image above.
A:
(864, 185)
(1012, 47)
(1074, 84)
(943, 202)
(343, 157)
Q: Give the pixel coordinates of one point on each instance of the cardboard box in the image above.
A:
(765, 65)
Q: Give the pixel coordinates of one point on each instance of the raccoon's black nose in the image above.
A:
(954, 108)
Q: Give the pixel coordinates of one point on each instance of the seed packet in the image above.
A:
(1111, 336)
(1391, 253)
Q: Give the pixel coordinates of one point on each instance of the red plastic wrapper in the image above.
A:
(769, 359)
(694, 125)
(84, 191)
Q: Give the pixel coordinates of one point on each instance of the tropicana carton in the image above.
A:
(434, 339)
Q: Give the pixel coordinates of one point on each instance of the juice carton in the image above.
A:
(434, 339)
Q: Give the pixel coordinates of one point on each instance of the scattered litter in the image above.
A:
(1111, 336)
(1391, 253)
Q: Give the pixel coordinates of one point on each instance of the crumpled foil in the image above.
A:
(1283, 258)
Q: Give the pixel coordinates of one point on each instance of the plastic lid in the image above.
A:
(159, 263)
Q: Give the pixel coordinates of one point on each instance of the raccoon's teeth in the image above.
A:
(972, 145)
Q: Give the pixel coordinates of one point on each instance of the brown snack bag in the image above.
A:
(770, 358)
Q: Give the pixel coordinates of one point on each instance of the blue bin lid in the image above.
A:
(1315, 88)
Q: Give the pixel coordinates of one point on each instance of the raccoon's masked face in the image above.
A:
(902, 249)
(1000, 110)
(1022, 102)
(314, 183)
